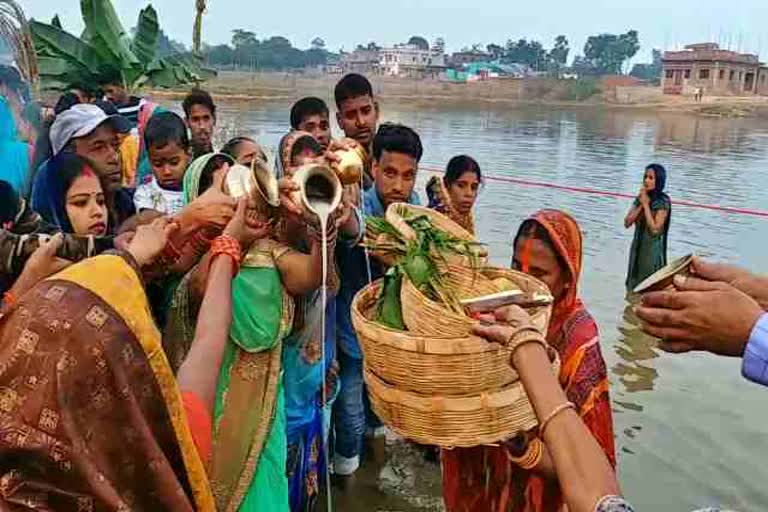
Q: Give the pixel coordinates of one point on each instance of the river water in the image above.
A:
(690, 432)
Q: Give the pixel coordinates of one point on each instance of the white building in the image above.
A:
(411, 61)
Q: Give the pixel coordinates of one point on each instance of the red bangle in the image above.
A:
(9, 299)
(225, 244)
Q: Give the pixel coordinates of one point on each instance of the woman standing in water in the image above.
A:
(455, 194)
(519, 475)
(650, 214)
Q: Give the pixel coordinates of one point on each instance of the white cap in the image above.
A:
(80, 120)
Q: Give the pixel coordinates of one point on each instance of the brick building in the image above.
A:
(715, 71)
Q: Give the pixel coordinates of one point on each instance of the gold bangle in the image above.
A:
(532, 456)
(557, 410)
(522, 336)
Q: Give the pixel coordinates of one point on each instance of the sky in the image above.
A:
(666, 24)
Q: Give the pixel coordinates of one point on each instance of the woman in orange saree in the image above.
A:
(548, 246)
(91, 418)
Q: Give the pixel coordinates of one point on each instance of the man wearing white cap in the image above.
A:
(86, 130)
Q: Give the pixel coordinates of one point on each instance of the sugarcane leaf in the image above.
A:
(108, 37)
(144, 44)
(53, 41)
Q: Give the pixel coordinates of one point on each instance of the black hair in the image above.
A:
(302, 144)
(65, 102)
(198, 97)
(107, 107)
(458, 165)
(352, 86)
(9, 203)
(110, 76)
(397, 138)
(164, 128)
(232, 145)
(88, 90)
(206, 175)
(305, 107)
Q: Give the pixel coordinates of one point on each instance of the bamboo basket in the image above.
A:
(426, 317)
(457, 422)
(432, 365)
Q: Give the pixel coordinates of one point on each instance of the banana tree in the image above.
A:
(106, 47)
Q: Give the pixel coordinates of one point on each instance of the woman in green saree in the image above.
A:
(651, 214)
(247, 466)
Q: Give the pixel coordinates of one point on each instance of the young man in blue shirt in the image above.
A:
(396, 152)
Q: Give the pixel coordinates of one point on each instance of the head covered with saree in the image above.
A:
(49, 197)
(563, 236)
(91, 417)
(295, 145)
(199, 175)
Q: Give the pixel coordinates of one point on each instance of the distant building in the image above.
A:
(459, 59)
(715, 71)
(360, 61)
(408, 60)
(482, 71)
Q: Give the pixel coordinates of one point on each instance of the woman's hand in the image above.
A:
(213, 207)
(245, 226)
(288, 191)
(150, 240)
(41, 264)
(643, 197)
(502, 324)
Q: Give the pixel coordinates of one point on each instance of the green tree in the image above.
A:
(317, 44)
(650, 72)
(531, 53)
(419, 42)
(608, 52)
(242, 38)
(558, 55)
(495, 50)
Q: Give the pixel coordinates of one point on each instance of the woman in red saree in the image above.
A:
(548, 246)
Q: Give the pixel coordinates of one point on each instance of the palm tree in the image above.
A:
(198, 29)
(15, 30)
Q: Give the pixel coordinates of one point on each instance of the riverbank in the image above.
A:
(237, 85)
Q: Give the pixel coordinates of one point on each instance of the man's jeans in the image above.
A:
(351, 414)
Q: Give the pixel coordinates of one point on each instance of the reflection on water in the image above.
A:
(636, 351)
(689, 429)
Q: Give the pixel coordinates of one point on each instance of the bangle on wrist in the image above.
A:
(523, 336)
(552, 415)
(9, 299)
(532, 456)
(225, 244)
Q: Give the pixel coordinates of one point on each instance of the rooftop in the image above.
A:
(710, 52)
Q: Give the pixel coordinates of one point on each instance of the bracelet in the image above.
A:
(522, 336)
(532, 456)
(225, 244)
(556, 411)
(9, 299)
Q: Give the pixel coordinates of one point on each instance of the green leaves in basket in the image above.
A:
(389, 311)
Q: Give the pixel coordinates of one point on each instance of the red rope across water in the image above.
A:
(606, 193)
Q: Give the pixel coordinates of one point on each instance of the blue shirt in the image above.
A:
(754, 365)
(356, 271)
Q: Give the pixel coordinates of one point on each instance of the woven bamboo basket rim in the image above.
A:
(410, 341)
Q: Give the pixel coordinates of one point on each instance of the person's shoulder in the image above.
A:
(580, 329)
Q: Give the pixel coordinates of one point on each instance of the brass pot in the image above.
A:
(350, 168)
(318, 183)
(256, 182)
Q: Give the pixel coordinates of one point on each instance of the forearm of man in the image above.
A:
(583, 471)
(199, 372)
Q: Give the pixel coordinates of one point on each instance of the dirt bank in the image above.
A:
(291, 86)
